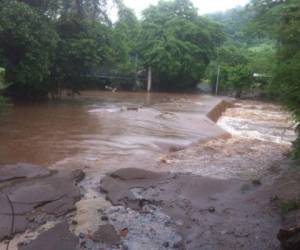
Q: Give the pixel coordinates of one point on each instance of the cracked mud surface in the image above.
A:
(31, 195)
(206, 213)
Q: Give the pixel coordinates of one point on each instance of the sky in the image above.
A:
(204, 6)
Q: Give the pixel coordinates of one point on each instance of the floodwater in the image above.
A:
(101, 125)
(261, 136)
(103, 131)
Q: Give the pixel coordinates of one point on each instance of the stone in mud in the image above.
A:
(30, 201)
(118, 194)
(57, 238)
(106, 234)
(211, 209)
(290, 239)
(256, 182)
(134, 173)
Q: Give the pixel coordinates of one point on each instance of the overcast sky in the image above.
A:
(204, 6)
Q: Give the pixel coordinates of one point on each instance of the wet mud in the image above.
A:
(206, 213)
(31, 195)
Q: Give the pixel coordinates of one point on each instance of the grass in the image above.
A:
(290, 205)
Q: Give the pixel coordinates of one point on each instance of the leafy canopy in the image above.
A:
(177, 43)
(27, 44)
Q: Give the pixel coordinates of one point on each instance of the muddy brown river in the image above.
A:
(98, 125)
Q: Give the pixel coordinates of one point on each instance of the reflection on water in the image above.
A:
(99, 125)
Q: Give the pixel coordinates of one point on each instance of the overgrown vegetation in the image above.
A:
(47, 46)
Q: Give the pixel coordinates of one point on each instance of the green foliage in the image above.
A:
(248, 50)
(27, 43)
(177, 43)
(84, 43)
(262, 57)
(126, 33)
(49, 45)
(282, 21)
(236, 74)
(91, 9)
(235, 22)
(290, 205)
(2, 78)
(3, 85)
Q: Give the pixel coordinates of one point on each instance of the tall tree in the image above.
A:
(177, 43)
(84, 43)
(281, 19)
(126, 32)
(27, 43)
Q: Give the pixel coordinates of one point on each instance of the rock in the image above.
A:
(290, 239)
(133, 108)
(35, 199)
(104, 218)
(124, 232)
(212, 210)
(179, 245)
(106, 234)
(74, 222)
(165, 160)
(81, 235)
(166, 244)
(58, 238)
(135, 174)
(256, 182)
(274, 198)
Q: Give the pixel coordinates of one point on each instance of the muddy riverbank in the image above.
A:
(210, 186)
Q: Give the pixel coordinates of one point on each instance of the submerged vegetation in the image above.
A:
(47, 46)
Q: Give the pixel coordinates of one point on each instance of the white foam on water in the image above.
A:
(266, 123)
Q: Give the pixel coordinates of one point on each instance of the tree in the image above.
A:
(177, 43)
(39, 39)
(282, 21)
(126, 32)
(84, 9)
(3, 86)
(236, 74)
(2, 81)
(85, 43)
(27, 44)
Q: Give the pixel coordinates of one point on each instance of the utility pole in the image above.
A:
(218, 79)
(149, 79)
(136, 70)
